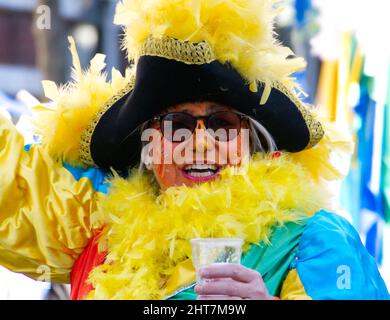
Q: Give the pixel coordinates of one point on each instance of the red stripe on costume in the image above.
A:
(89, 259)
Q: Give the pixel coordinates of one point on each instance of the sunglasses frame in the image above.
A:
(205, 119)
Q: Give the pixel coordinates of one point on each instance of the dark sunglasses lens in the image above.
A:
(224, 126)
(178, 127)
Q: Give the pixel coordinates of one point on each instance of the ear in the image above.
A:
(149, 166)
(145, 159)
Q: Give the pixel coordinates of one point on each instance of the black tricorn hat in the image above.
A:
(161, 83)
(241, 66)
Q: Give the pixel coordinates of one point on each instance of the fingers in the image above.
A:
(231, 280)
(210, 297)
(234, 271)
(225, 287)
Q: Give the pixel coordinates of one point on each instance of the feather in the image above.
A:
(77, 71)
(320, 160)
(149, 235)
(239, 31)
(74, 106)
(50, 89)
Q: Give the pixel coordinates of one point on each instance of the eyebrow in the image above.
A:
(185, 110)
(215, 108)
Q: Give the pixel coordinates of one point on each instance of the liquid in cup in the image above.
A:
(207, 251)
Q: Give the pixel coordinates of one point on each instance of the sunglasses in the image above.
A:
(180, 126)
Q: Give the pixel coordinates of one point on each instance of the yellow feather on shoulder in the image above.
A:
(74, 105)
(329, 160)
(238, 31)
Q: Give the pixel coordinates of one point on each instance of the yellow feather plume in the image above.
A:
(148, 233)
(238, 31)
(329, 160)
(74, 106)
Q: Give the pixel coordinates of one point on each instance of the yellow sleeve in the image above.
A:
(293, 288)
(45, 214)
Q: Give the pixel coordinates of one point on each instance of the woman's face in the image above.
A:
(201, 155)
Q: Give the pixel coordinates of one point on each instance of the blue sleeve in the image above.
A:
(97, 176)
(332, 262)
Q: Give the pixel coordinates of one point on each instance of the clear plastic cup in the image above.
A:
(207, 251)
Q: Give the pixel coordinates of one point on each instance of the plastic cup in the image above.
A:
(208, 251)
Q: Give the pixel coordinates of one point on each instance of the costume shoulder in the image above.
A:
(46, 208)
(332, 263)
(47, 196)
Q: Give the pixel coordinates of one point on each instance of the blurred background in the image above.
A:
(347, 78)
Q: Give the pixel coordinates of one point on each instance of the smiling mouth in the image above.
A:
(201, 171)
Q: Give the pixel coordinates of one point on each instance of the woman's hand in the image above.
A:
(231, 282)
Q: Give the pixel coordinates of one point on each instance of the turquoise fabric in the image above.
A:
(332, 262)
(328, 254)
(271, 261)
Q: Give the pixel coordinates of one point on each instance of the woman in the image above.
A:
(224, 148)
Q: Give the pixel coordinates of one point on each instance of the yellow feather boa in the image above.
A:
(148, 232)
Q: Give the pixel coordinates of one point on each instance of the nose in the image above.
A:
(202, 140)
(200, 124)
